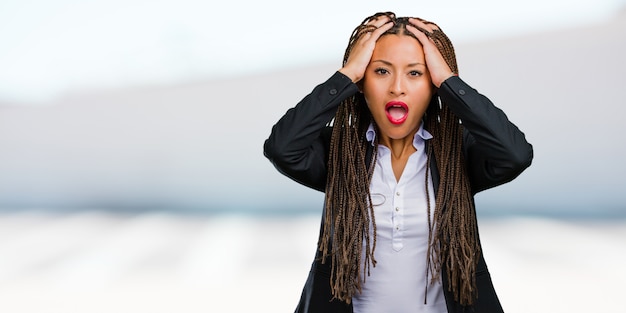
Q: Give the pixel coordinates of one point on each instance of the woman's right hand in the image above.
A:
(361, 53)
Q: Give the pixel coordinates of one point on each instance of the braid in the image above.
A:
(454, 246)
(349, 216)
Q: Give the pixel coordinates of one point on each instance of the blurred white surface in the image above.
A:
(49, 47)
(99, 262)
(198, 146)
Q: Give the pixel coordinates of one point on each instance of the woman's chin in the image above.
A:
(397, 132)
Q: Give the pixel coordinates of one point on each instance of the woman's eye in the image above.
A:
(415, 73)
(381, 71)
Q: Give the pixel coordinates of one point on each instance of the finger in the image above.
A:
(423, 39)
(381, 19)
(419, 23)
(370, 37)
(379, 22)
(427, 41)
(437, 65)
(362, 51)
(381, 30)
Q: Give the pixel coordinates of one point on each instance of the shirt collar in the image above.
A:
(420, 135)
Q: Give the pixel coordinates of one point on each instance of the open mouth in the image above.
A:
(397, 112)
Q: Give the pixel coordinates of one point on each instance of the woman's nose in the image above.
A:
(397, 86)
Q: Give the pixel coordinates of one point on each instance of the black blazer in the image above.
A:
(496, 152)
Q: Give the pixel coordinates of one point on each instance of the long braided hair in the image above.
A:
(349, 215)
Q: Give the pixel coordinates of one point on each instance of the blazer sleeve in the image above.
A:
(298, 143)
(496, 151)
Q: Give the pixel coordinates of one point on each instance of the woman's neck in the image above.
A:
(401, 150)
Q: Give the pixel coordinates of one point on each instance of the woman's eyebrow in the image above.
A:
(382, 61)
(390, 64)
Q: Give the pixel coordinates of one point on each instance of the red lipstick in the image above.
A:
(397, 112)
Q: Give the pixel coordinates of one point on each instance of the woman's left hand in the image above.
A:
(437, 66)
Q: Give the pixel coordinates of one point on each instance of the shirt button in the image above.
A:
(333, 91)
(461, 92)
(397, 193)
(397, 209)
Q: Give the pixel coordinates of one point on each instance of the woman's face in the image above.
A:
(397, 86)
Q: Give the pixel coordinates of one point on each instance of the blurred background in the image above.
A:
(131, 169)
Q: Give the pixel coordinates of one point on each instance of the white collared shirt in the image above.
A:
(398, 282)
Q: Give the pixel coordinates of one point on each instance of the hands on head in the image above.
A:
(361, 52)
(437, 65)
